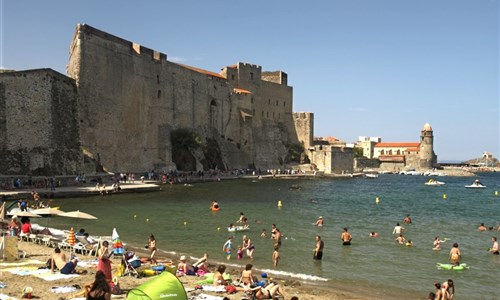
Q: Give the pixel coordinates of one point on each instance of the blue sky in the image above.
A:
(364, 67)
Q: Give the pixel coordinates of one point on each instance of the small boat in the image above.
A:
(476, 185)
(434, 182)
(238, 228)
(370, 175)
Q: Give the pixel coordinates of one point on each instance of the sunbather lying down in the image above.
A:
(269, 292)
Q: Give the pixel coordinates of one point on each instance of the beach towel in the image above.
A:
(65, 289)
(6, 297)
(44, 274)
(211, 288)
(205, 297)
(23, 262)
(88, 263)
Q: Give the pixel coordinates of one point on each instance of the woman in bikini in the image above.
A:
(218, 276)
(247, 245)
(152, 248)
(247, 275)
(268, 292)
(99, 290)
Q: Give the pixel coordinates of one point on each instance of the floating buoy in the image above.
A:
(147, 220)
(444, 196)
(279, 203)
(218, 228)
(135, 216)
(185, 222)
(496, 193)
(377, 200)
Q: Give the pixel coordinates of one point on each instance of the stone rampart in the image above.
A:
(39, 132)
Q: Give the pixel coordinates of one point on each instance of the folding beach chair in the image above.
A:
(127, 268)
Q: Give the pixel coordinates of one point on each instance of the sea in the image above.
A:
(180, 219)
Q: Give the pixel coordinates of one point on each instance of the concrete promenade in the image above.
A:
(78, 190)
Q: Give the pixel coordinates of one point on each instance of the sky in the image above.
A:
(379, 68)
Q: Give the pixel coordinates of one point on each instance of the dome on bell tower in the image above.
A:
(427, 127)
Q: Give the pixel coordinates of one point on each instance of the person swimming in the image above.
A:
(373, 234)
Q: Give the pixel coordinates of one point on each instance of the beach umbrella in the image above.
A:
(26, 214)
(47, 211)
(77, 215)
(2, 211)
(71, 240)
(117, 243)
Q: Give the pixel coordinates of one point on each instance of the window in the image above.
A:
(159, 94)
(251, 75)
(232, 77)
(268, 101)
(251, 100)
(284, 103)
(158, 79)
(276, 102)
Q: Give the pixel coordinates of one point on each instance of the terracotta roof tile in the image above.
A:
(413, 149)
(397, 145)
(209, 73)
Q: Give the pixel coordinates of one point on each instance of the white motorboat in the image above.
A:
(433, 182)
(476, 185)
(371, 175)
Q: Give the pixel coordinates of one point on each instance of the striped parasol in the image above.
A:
(71, 237)
(117, 243)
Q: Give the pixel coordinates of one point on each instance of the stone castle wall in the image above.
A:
(120, 103)
(39, 132)
(132, 97)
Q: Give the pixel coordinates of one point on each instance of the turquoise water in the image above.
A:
(180, 218)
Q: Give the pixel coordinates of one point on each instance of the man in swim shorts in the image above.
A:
(318, 251)
(346, 237)
(59, 261)
(494, 248)
(398, 229)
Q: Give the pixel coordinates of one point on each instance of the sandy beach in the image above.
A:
(42, 289)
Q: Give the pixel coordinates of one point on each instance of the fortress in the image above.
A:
(125, 107)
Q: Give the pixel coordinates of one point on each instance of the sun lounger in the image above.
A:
(50, 241)
(85, 247)
(24, 236)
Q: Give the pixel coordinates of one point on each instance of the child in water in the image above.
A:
(240, 252)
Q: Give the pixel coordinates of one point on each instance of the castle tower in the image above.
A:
(427, 157)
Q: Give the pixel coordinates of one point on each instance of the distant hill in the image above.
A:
(482, 161)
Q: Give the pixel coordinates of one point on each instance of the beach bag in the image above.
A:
(135, 263)
(230, 289)
(115, 287)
